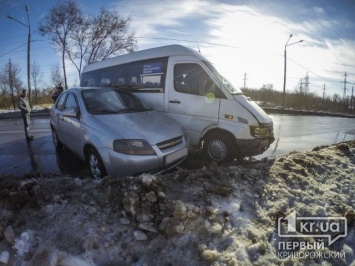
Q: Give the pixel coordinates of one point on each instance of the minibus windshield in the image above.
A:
(222, 79)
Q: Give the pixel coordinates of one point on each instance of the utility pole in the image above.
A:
(345, 82)
(324, 92)
(352, 98)
(245, 79)
(285, 61)
(306, 83)
(301, 86)
(28, 51)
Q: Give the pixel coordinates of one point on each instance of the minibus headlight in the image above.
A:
(133, 147)
(260, 132)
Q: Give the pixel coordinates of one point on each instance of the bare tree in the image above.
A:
(80, 44)
(4, 95)
(99, 37)
(56, 77)
(336, 97)
(37, 78)
(9, 77)
(59, 24)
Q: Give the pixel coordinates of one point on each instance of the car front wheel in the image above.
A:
(218, 148)
(96, 167)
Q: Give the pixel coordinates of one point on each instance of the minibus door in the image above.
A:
(192, 98)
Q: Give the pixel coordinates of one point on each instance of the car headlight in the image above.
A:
(260, 132)
(133, 147)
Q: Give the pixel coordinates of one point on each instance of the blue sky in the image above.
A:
(239, 36)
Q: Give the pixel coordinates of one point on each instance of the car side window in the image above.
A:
(192, 79)
(71, 103)
(61, 101)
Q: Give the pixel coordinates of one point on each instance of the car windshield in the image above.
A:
(108, 101)
(225, 82)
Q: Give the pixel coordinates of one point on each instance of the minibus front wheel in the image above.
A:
(218, 148)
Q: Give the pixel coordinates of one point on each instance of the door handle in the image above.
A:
(174, 101)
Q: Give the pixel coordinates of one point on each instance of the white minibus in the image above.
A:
(184, 85)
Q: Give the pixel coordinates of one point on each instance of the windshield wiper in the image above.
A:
(128, 110)
(104, 111)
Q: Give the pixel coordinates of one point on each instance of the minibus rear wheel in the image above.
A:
(218, 148)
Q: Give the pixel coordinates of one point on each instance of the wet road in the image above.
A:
(35, 158)
(302, 133)
(18, 157)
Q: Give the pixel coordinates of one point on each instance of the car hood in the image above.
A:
(152, 126)
(253, 108)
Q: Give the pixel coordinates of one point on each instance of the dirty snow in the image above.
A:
(6, 111)
(210, 215)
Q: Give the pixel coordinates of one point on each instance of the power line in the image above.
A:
(230, 46)
(313, 72)
(13, 50)
(13, 37)
(182, 40)
(194, 41)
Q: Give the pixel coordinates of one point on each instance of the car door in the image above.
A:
(57, 117)
(193, 97)
(70, 123)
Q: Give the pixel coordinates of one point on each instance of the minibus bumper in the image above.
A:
(252, 147)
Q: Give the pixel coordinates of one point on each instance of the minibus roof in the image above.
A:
(163, 51)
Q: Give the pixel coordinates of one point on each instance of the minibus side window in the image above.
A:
(139, 76)
(192, 79)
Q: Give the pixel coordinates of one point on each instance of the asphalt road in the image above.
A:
(19, 157)
(302, 133)
(35, 158)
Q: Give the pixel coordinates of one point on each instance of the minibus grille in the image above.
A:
(169, 143)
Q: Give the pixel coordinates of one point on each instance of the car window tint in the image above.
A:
(60, 102)
(139, 76)
(71, 102)
(110, 101)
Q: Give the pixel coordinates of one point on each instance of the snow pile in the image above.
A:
(214, 215)
(5, 111)
(35, 108)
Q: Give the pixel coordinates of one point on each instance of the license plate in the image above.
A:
(175, 156)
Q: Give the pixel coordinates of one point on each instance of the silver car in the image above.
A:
(115, 133)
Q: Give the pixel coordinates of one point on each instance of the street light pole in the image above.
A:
(28, 51)
(285, 63)
(352, 98)
(29, 57)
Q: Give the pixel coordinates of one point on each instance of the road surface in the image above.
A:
(18, 157)
(302, 133)
(35, 158)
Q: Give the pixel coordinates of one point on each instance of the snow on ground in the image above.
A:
(35, 108)
(213, 215)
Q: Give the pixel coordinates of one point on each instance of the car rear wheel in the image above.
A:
(218, 148)
(57, 144)
(96, 167)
